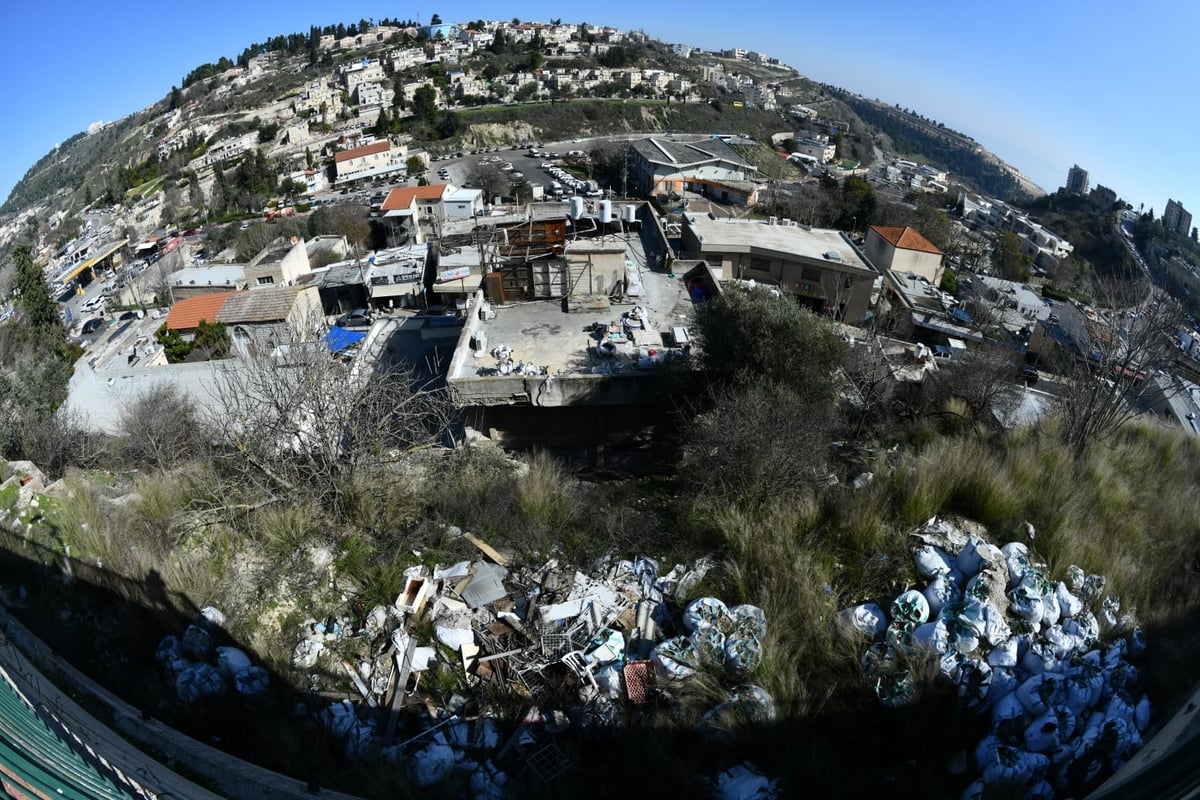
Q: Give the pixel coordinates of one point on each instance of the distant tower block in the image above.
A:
(1077, 180)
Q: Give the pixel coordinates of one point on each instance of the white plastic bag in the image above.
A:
(867, 618)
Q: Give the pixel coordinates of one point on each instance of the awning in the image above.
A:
(340, 339)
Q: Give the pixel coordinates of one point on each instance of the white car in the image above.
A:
(93, 304)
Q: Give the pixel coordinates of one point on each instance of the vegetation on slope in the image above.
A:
(926, 141)
(197, 526)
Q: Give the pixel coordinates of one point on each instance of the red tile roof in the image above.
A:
(186, 314)
(366, 150)
(906, 239)
(403, 198)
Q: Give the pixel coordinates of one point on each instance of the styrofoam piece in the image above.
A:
(454, 638)
(422, 658)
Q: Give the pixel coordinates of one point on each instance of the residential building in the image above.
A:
(821, 267)
(214, 279)
(1176, 218)
(1077, 180)
(261, 320)
(186, 315)
(463, 203)
(280, 263)
(709, 166)
(1103, 197)
(903, 250)
(822, 151)
(370, 161)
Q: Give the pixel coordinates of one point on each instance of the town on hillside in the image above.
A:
(385, 231)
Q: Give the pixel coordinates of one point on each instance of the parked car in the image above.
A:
(358, 318)
(91, 326)
(93, 304)
(1029, 374)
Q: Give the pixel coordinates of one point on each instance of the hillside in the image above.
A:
(925, 140)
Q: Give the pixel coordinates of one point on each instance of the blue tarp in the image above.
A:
(339, 339)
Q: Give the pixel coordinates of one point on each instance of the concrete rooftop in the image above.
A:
(789, 241)
(542, 334)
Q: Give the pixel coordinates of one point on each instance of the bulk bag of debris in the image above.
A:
(676, 658)
(198, 680)
(197, 644)
(709, 644)
(743, 654)
(706, 612)
(252, 680)
(867, 619)
(170, 654)
(231, 661)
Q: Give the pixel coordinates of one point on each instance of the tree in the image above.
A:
(435, 20)
(1009, 258)
(316, 425)
(212, 339)
(756, 444)
(1106, 378)
(175, 347)
(161, 428)
(424, 104)
(748, 338)
(176, 98)
(41, 310)
(415, 165)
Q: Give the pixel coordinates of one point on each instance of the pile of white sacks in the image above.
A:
(1066, 708)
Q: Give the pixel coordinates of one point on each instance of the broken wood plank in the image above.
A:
(505, 654)
(486, 549)
(404, 666)
(358, 684)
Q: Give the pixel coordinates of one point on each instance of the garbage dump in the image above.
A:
(574, 650)
(202, 669)
(1051, 661)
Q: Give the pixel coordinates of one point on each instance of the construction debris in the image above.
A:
(574, 648)
(1057, 678)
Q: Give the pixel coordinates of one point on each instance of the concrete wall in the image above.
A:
(555, 391)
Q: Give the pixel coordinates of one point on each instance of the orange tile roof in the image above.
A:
(906, 239)
(186, 314)
(366, 150)
(403, 198)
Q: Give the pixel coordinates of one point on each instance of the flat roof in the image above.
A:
(215, 275)
(788, 241)
(541, 333)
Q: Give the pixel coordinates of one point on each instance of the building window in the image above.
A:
(760, 264)
(265, 280)
(812, 274)
(848, 283)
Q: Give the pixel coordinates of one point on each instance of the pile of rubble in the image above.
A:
(1066, 708)
(572, 650)
(202, 669)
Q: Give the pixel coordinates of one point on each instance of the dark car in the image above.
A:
(1029, 374)
(358, 318)
(91, 326)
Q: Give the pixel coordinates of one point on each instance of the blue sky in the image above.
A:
(1044, 85)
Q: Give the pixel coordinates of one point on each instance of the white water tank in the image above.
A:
(629, 213)
(576, 208)
(605, 211)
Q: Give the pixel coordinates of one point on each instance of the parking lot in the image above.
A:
(461, 170)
